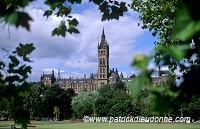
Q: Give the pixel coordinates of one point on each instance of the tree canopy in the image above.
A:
(176, 25)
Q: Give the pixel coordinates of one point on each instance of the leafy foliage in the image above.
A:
(61, 8)
(56, 112)
(84, 104)
(13, 85)
(10, 14)
(55, 96)
(113, 102)
(176, 24)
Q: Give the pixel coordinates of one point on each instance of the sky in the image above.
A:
(76, 54)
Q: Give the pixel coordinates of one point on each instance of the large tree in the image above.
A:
(113, 102)
(176, 24)
(84, 104)
(13, 74)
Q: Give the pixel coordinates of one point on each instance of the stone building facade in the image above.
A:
(104, 75)
(48, 79)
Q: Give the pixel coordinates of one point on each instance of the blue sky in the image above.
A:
(76, 55)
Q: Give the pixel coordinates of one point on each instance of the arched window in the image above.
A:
(103, 61)
(100, 61)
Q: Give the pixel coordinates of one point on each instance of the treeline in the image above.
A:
(110, 100)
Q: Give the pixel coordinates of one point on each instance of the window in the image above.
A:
(103, 75)
(100, 61)
(103, 70)
(100, 75)
(100, 70)
(103, 61)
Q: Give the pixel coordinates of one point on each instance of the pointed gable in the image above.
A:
(103, 43)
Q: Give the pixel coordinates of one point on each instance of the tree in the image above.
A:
(82, 102)
(111, 102)
(192, 108)
(49, 101)
(119, 85)
(69, 92)
(56, 112)
(11, 14)
(177, 47)
(4, 108)
(64, 103)
(13, 85)
(32, 99)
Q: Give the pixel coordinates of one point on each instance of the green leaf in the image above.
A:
(23, 20)
(28, 69)
(116, 3)
(54, 32)
(14, 60)
(72, 29)
(12, 18)
(141, 61)
(123, 7)
(48, 13)
(24, 49)
(185, 26)
(98, 2)
(140, 82)
(61, 30)
(73, 22)
(178, 52)
(75, 1)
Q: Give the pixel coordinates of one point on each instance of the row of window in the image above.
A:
(79, 87)
(102, 76)
(102, 70)
(102, 83)
(102, 52)
(102, 61)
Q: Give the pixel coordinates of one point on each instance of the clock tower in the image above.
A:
(103, 61)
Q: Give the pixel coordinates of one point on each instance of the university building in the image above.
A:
(104, 75)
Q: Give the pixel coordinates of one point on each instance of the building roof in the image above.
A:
(103, 43)
(165, 72)
(47, 75)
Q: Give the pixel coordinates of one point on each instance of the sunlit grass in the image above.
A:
(67, 125)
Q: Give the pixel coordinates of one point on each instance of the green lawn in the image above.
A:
(66, 125)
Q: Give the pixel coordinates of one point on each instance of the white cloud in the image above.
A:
(81, 63)
(75, 54)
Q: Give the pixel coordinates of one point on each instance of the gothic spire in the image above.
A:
(121, 75)
(103, 42)
(103, 35)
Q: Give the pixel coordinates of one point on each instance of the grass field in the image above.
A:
(67, 125)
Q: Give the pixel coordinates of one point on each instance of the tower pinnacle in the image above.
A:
(103, 35)
(103, 42)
